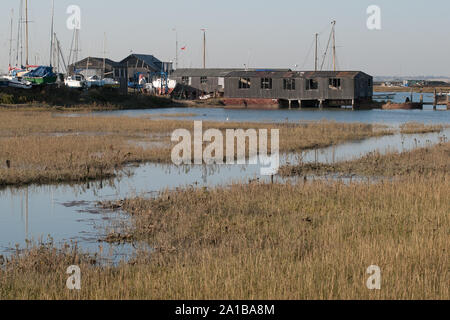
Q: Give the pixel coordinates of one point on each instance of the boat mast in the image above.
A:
(11, 38)
(26, 31)
(204, 48)
(104, 55)
(334, 45)
(316, 58)
(51, 33)
(19, 35)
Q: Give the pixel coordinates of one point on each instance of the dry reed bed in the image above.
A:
(41, 160)
(415, 127)
(304, 241)
(42, 147)
(423, 161)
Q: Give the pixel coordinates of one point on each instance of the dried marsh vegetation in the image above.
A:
(43, 147)
(310, 240)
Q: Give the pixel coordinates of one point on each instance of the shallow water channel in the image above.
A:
(389, 117)
(69, 213)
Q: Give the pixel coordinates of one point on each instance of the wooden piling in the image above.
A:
(435, 100)
(321, 103)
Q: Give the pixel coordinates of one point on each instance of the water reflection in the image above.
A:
(391, 117)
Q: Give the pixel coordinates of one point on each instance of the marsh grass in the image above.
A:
(37, 159)
(289, 241)
(423, 161)
(45, 147)
(309, 240)
(415, 127)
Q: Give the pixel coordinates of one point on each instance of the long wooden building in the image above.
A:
(309, 88)
(198, 81)
(194, 82)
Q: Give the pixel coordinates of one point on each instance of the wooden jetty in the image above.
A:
(409, 104)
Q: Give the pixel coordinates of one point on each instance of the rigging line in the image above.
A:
(308, 55)
(326, 51)
(69, 60)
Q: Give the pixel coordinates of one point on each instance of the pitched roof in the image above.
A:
(294, 74)
(148, 59)
(107, 61)
(210, 72)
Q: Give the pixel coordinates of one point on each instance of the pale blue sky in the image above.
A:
(414, 39)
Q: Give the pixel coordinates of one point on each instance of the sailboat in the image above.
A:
(14, 79)
(19, 84)
(76, 81)
(39, 75)
(4, 82)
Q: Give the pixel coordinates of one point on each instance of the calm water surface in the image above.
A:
(390, 117)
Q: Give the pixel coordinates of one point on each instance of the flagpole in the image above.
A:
(51, 33)
(176, 48)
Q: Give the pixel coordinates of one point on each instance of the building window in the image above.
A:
(185, 80)
(312, 84)
(244, 83)
(334, 83)
(289, 84)
(203, 80)
(266, 83)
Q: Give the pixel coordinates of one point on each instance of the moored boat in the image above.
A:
(76, 81)
(108, 82)
(94, 81)
(41, 75)
(19, 84)
(4, 82)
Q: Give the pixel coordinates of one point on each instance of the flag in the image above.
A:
(183, 48)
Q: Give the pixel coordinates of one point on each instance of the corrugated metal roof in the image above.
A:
(193, 72)
(294, 74)
(107, 61)
(214, 72)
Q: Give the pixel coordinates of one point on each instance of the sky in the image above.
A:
(413, 40)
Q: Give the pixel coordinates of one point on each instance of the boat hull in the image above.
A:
(41, 81)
